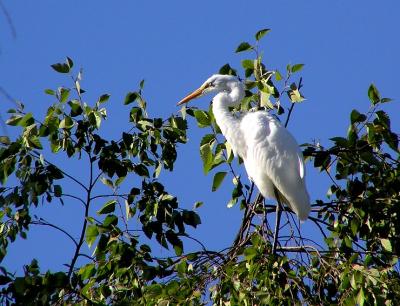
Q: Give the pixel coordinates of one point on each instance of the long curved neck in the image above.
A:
(229, 124)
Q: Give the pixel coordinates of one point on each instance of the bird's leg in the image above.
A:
(277, 221)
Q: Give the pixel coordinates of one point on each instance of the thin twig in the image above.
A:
(9, 20)
(44, 222)
(289, 114)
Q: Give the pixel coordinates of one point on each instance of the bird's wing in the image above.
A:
(273, 159)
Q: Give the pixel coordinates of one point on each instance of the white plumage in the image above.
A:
(270, 153)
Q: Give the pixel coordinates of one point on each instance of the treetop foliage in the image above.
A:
(352, 257)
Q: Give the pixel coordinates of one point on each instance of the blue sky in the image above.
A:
(175, 46)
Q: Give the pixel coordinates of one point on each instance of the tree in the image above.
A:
(355, 260)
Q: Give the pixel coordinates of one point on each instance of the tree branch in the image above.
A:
(87, 205)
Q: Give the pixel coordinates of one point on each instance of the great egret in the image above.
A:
(270, 153)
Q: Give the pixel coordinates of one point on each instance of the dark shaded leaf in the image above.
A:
(61, 67)
(226, 69)
(57, 191)
(260, 34)
(355, 117)
(244, 46)
(373, 94)
(104, 98)
(191, 218)
(131, 97)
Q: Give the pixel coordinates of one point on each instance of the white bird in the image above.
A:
(270, 153)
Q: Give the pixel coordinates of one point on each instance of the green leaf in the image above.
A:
(355, 116)
(361, 297)
(260, 34)
(175, 241)
(207, 139)
(131, 97)
(181, 267)
(203, 119)
(244, 46)
(218, 178)
(87, 271)
(373, 94)
(63, 94)
(371, 135)
(250, 253)
(198, 204)
(387, 245)
(91, 234)
(50, 92)
(383, 119)
(107, 208)
(232, 202)
(392, 140)
(207, 157)
(297, 67)
(69, 62)
(352, 134)
(191, 218)
(294, 95)
(21, 120)
(340, 141)
(227, 69)
(178, 248)
(34, 142)
(128, 210)
(76, 108)
(278, 75)
(119, 180)
(57, 191)
(95, 119)
(5, 140)
(107, 182)
(248, 64)
(104, 98)
(13, 120)
(67, 123)
(141, 170)
(110, 220)
(265, 100)
(61, 67)
(385, 100)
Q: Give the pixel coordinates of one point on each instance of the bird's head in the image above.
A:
(216, 83)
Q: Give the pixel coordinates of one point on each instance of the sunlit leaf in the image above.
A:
(91, 234)
(107, 208)
(297, 67)
(217, 181)
(203, 119)
(387, 245)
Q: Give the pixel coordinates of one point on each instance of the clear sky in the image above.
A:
(175, 46)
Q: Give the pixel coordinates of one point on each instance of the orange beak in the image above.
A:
(191, 96)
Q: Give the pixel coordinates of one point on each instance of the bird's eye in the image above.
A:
(211, 84)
